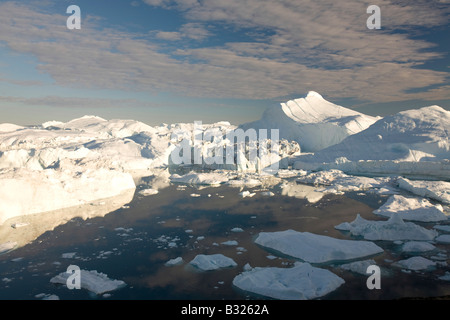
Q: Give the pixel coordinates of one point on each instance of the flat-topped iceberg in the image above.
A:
(301, 282)
(414, 209)
(437, 190)
(415, 263)
(314, 248)
(212, 262)
(392, 230)
(93, 281)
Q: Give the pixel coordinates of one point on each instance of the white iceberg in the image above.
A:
(212, 262)
(93, 281)
(414, 209)
(301, 282)
(392, 230)
(415, 263)
(413, 142)
(437, 190)
(301, 191)
(148, 192)
(444, 228)
(174, 262)
(315, 248)
(312, 121)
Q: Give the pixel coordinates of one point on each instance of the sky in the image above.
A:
(169, 61)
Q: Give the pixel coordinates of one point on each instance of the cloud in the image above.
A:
(312, 45)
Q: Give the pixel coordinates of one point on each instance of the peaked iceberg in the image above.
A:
(312, 121)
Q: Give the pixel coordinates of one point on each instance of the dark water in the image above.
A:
(133, 244)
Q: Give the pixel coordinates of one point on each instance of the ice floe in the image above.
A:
(93, 281)
(212, 262)
(301, 282)
(314, 248)
(415, 264)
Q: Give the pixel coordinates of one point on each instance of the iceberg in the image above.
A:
(437, 190)
(212, 262)
(412, 142)
(315, 248)
(417, 246)
(391, 230)
(414, 209)
(301, 282)
(206, 178)
(312, 121)
(93, 281)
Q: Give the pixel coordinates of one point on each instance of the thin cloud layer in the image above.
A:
(296, 46)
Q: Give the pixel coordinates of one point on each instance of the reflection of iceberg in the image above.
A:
(33, 225)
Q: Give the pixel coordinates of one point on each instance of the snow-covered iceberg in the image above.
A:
(301, 282)
(413, 143)
(312, 121)
(314, 248)
(391, 230)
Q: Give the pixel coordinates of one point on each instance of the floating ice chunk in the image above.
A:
(301, 282)
(443, 238)
(315, 248)
(174, 262)
(45, 296)
(358, 266)
(230, 243)
(245, 194)
(445, 277)
(237, 229)
(301, 191)
(212, 262)
(68, 255)
(437, 190)
(414, 209)
(417, 246)
(148, 192)
(267, 193)
(445, 228)
(93, 281)
(393, 229)
(208, 178)
(415, 263)
(195, 195)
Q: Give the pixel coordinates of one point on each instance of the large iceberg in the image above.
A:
(413, 142)
(314, 248)
(312, 121)
(301, 282)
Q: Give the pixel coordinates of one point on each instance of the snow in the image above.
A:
(301, 282)
(312, 121)
(414, 209)
(315, 248)
(415, 263)
(417, 246)
(437, 190)
(414, 143)
(391, 230)
(212, 262)
(93, 281)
